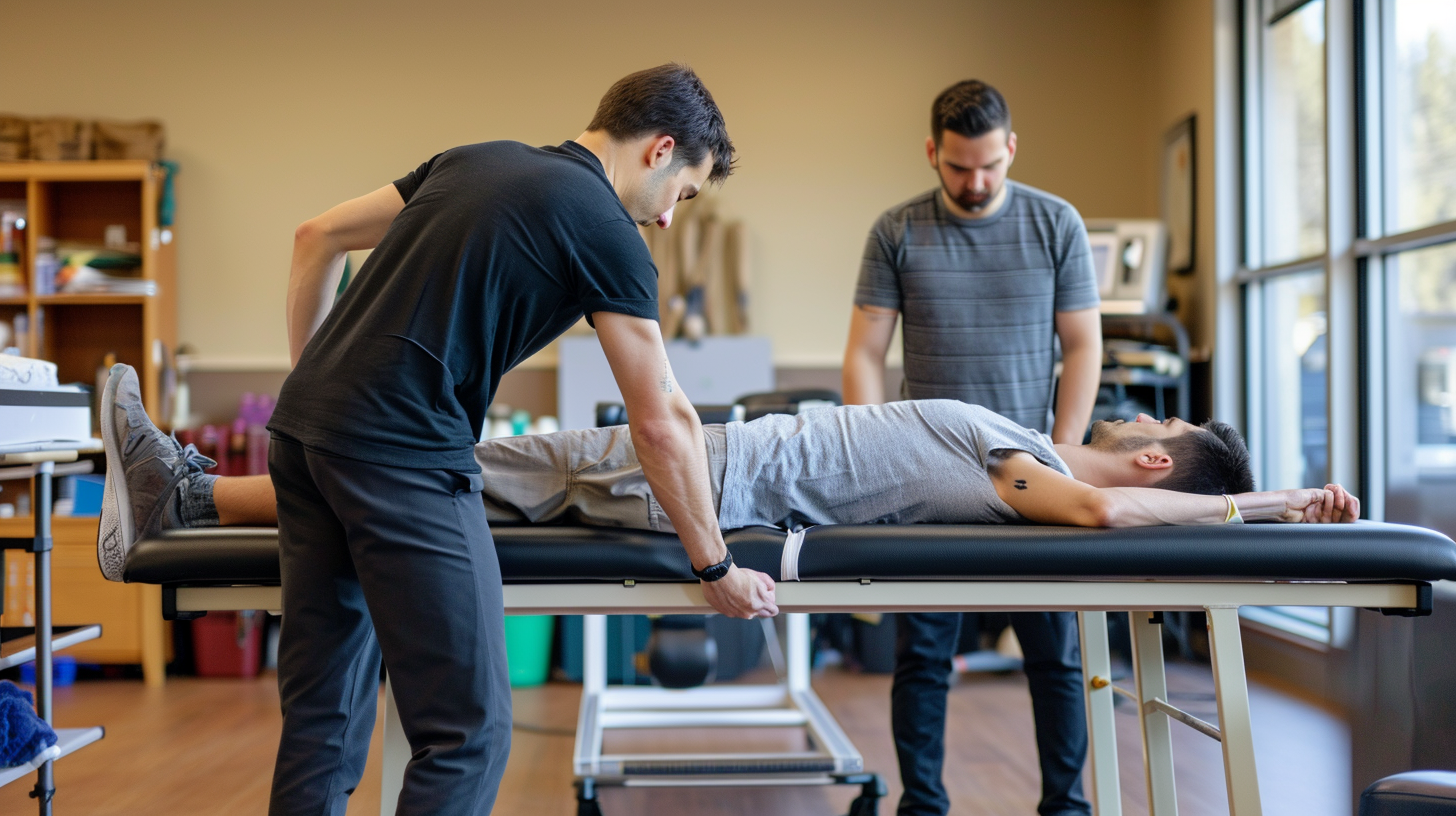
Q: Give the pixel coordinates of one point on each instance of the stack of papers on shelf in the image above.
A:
(107, 270)
(85, 279)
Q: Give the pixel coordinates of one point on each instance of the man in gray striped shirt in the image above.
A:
(989, 275)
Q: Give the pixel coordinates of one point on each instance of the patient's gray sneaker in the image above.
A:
(152, 482)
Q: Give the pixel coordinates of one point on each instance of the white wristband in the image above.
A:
(1233, 516)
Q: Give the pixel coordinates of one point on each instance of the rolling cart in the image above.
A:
(19, 645)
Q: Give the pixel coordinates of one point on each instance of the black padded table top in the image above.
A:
(1364, 551)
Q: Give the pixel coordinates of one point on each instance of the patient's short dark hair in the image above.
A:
(668, 100)
(1214, 461)
(970, 108)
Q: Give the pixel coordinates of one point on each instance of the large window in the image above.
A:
(1420, 113)
(1412, 256)
(1348, 280)
(1294, 135)
(1420, 369)
(1287, 206)
(1295, 420)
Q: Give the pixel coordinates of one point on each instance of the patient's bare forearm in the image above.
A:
(1266, 506)
(1150, 507)
(1147, 507)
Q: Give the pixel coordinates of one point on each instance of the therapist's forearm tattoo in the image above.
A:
(665, 384)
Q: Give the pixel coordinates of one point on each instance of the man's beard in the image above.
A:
(1104, 439)
(971, 201)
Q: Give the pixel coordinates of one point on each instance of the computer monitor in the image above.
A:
(1130, 260)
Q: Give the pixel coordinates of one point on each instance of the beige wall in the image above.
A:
(1182, 54)
(277, 110)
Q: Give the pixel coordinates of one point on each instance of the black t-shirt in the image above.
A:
(499, 249)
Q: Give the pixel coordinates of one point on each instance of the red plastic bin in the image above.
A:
(228, 644)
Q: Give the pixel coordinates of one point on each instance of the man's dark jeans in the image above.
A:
(924, 645)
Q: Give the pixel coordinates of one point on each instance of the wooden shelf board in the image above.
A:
(128, 170)
(97, 299)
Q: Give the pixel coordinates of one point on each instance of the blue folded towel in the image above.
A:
(23, 734)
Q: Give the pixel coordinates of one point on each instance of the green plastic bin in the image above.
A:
(528, 648)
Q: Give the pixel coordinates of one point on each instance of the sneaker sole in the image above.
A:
(115, 489)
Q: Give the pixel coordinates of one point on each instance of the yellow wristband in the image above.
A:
(1233, 516)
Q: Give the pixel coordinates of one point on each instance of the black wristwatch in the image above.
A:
(715, 572)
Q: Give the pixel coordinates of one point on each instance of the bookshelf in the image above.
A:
(76, 202)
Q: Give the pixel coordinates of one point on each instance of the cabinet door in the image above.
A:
(81, 595)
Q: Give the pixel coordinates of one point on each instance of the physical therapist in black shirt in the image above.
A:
(482, 255)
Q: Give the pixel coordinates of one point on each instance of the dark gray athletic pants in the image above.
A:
(396, 562)
(924, 645)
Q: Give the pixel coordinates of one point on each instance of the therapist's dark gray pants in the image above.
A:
(924, 645)
(399, 562)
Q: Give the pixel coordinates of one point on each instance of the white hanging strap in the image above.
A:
(789, 566)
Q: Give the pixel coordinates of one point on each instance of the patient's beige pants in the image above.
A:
(587, 476)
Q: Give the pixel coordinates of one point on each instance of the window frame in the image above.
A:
(1359, 56)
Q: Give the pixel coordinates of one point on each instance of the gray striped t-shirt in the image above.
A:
(909, 462)
(978, 297)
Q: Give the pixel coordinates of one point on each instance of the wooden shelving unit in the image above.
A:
(1157, 327)
(131, 614)
(76, 202)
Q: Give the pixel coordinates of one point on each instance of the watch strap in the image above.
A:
(716, 571)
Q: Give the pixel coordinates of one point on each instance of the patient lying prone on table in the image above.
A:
(919, 461)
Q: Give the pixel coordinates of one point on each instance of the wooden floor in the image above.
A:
(202, 746)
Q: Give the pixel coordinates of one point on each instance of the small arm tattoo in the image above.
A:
(665, 384)
(1020, 484)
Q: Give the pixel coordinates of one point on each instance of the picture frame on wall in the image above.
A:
(1179, 203)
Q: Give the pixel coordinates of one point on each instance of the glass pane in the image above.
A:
(1421, 389)
(1295, 420)
(1294, 136)
(1420, 114)
(1310, 622)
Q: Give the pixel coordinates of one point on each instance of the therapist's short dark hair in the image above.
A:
(668, 100)
(1213, 461)
(970, 108)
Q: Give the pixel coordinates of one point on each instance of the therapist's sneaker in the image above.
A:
(147, 473)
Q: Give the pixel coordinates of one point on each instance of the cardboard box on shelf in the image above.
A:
(60, 138)
(129, 140)
(14, 137)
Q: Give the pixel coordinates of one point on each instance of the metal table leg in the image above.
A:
(45, 787)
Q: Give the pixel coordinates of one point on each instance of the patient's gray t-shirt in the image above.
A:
(898, 463)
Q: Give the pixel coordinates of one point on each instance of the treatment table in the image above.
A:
(890, 568)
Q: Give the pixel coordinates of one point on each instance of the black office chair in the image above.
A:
(784, 402)
(615, 413)
(1416, 793)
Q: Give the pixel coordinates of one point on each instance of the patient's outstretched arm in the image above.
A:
(1044, 495)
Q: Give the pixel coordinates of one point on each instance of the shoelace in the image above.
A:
(192, 458)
